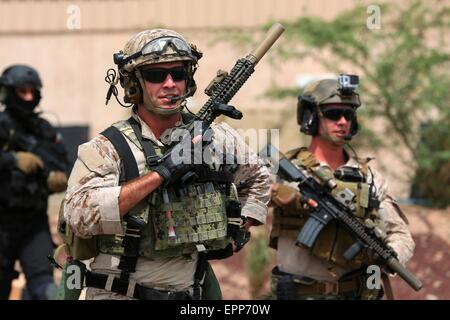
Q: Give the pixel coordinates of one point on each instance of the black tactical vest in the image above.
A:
(28, 193)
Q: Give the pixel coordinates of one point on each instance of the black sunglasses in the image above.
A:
(336, 114)
(160, 75)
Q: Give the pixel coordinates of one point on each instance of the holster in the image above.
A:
(72, 280)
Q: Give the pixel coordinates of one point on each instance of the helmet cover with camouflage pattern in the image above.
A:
(318, 94)
(151, 47)
(172, 47)
(326, 91)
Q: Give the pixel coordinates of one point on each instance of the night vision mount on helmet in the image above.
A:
(150, 47)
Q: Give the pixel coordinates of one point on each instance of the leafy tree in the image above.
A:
(257, 260)
(404, 79)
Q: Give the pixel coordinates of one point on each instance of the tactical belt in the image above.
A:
(330, 287)
(101, 281)
(289, 285)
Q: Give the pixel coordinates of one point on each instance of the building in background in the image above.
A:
(72, 42)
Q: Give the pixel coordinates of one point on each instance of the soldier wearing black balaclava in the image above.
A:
(33, 164)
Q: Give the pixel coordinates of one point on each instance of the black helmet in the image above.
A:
(15, 76)
(19, 75)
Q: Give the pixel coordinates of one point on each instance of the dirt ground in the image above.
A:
(431, 261)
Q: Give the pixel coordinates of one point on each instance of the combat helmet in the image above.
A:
(16, 76)
(150, 47)
(323, 92)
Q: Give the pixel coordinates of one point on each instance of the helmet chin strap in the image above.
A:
(150, 106)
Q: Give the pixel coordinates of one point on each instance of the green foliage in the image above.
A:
(244, 41)
(404, 74)
(433, 175)
(257, 259)
(281, 93)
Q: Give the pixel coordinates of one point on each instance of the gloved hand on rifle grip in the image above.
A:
(180, 161)
(172, 170)
(28, 162)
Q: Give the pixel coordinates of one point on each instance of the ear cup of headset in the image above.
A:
(354, 127)
(133, 91)
(307, 116)
(310, 123)
(192, 86)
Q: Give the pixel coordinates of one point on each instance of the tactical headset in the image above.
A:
(342, 91)
(128, 73)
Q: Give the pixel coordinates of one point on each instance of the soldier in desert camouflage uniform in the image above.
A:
(181, 224)
(327, 111)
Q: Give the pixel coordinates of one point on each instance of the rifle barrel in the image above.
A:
(395, 266)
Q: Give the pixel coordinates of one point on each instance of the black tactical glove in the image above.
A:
(182, 159)
(171, 171)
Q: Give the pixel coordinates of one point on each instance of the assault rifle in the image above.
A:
(326, 207)
(225, 85)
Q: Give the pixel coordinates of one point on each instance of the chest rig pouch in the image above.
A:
(354, 187)
(178, 220)
(187, 219)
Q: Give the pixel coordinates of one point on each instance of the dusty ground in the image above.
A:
(431, 262)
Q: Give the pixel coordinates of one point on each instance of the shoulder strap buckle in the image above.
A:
(153, 160)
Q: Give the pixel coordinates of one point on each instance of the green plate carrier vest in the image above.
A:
(178, 222)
